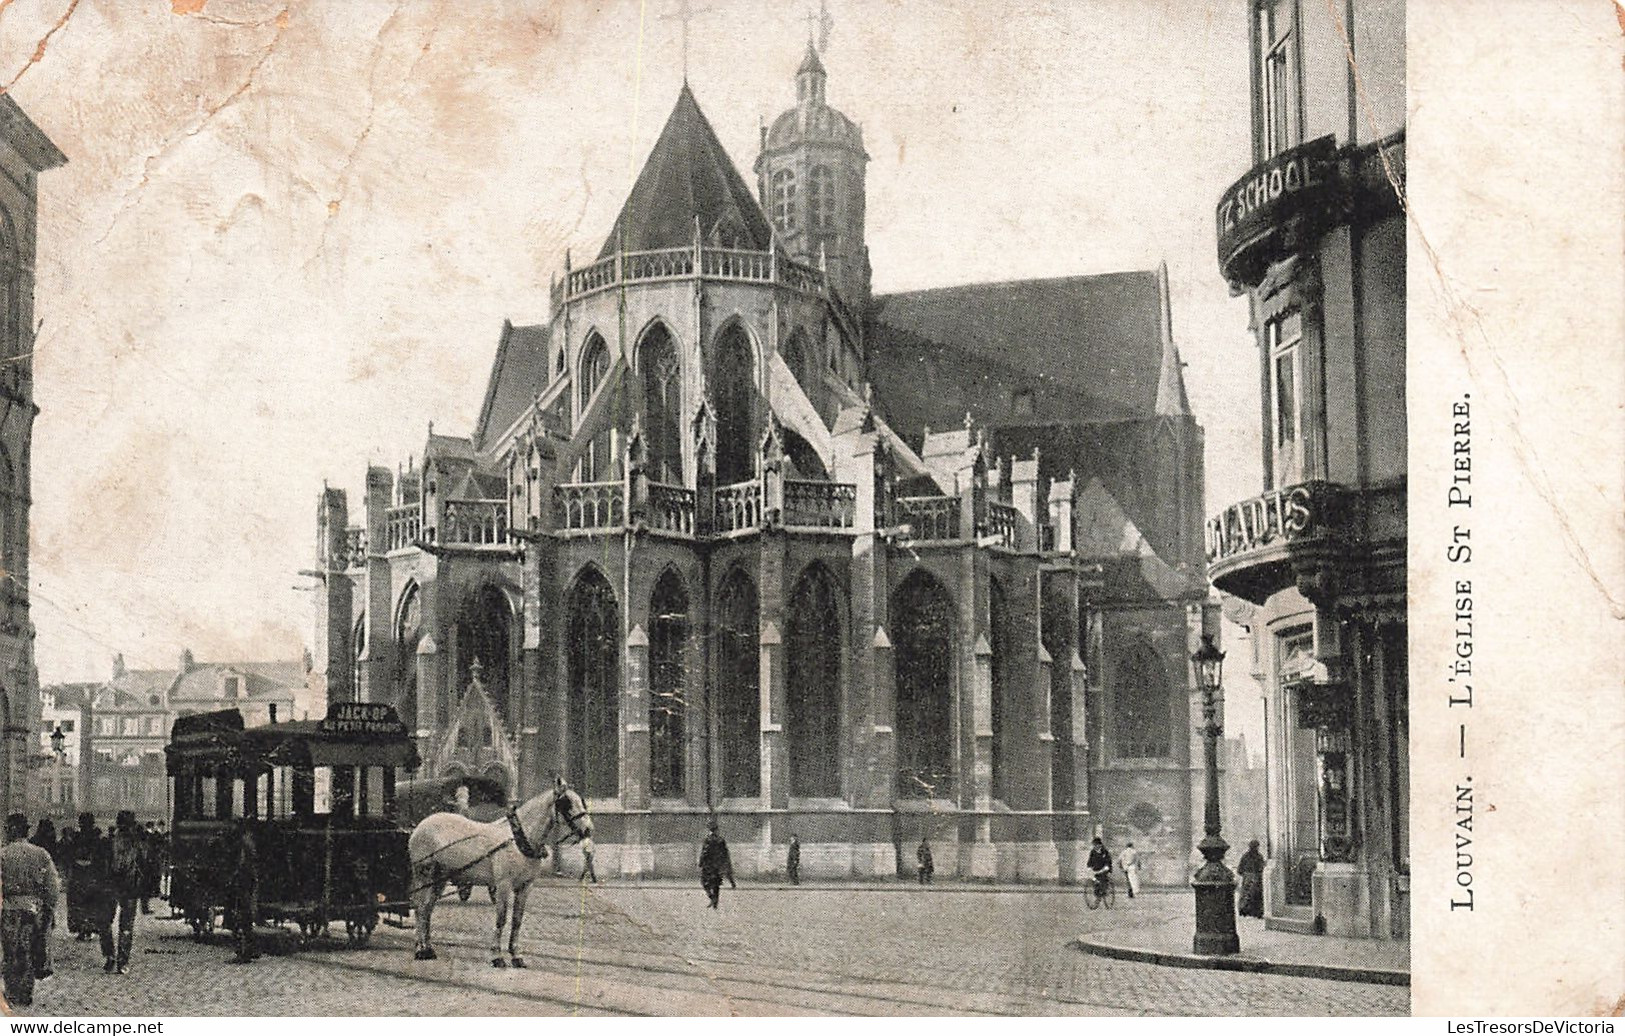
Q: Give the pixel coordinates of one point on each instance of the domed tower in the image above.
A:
(810, 176)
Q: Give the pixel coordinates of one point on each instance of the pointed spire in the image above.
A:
(1171, 398)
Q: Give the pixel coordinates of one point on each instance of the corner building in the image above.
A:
(25, 152)
(1314, 235)
(734, 535)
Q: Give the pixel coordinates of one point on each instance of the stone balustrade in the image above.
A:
(475, 523)
(671, 509)
(821, 505)
(931, 517)
(403, 526)
(590, 505)
(737, 507)
(355, 547)
(720, 264)
(1004, 521)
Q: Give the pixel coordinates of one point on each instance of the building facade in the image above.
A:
(1314, 235)
(54, 787)
(735, 536)
(115, 759)
(25, 152)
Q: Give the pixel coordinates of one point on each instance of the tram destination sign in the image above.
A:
(362, 718)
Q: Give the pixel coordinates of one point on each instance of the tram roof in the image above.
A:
(221, 738)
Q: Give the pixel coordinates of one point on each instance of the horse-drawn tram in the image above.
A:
(308, 805)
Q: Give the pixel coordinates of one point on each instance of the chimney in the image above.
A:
(186, 661)
(118, 665)
(273, 712)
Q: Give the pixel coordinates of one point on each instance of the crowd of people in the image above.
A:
(109, 878)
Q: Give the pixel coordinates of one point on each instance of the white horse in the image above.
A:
(504, 855)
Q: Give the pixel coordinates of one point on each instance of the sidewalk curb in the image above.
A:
(1256, 965)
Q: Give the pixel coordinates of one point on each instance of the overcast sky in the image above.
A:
(287, 237)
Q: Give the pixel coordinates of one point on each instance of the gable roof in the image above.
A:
(1101, 333)
(261, 679)
(519, 372)
(687, 175)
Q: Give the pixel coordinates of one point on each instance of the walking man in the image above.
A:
(1130, 862)
(586, 854)
(87, 876)
(28, 891)
(245, 888)
(122, 891)
(715, 865)
(927, 868)
(792, 862)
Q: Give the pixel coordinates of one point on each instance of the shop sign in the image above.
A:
(362, 718)
(1269, 194)
(1275, 517)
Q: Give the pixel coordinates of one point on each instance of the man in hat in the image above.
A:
(126, 855)
(87, 877)
(927, 866)
(1100, 865)
(28, 891)
(715, 865)
(792, 862)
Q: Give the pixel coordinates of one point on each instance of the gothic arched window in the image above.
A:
(663, 405)
(1140, 693)
(594, 368)
(821, 198)
(739, 688)
(593, 649)
(732, 381)
(668, 699)
(484, 628)
(814, 672)
(923, 635)
(784, 200)
(408, 635)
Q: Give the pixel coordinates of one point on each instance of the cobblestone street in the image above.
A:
(657, 950)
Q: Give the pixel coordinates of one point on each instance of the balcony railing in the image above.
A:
(1004, 521)
(724, 264)
(932, 517)
(671, 508)
(736, 507)
(590, 505)
(822, 505)
(475, 523)
(404, 526)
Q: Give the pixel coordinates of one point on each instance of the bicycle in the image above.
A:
(1099, 889)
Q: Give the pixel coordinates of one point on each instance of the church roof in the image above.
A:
(687, 175)
(518, 373)
(811, 62)
(1101, 333)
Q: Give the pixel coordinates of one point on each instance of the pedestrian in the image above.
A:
(149, 866)
(1129, 861)
(586, 855)
(245, 893)
(28, 893)
(122, 890)
(1100, 864)
(87, 878)
(927, 868)
(1250, 899)
(715, 865)
(45, 838)
(163, 862)
(792, 862)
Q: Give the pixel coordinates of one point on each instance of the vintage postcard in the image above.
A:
(734, 508)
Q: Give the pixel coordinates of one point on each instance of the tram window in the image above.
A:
(344, 791)
(281, 800)
(304, 792)
(373, 800)
(322, 791)
(235, 809)
(208, 796)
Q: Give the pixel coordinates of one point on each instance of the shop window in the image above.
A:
(1281, 82)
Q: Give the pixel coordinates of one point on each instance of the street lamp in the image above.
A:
(58, 740)
(1214, 883)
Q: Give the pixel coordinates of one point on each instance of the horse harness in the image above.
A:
(521, 841)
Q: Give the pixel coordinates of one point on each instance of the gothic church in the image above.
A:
(736, 537)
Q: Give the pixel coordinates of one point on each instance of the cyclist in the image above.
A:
(1100, 865)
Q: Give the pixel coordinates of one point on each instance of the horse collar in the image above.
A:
(521, 841)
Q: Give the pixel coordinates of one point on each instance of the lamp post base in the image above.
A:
(1215, 887)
